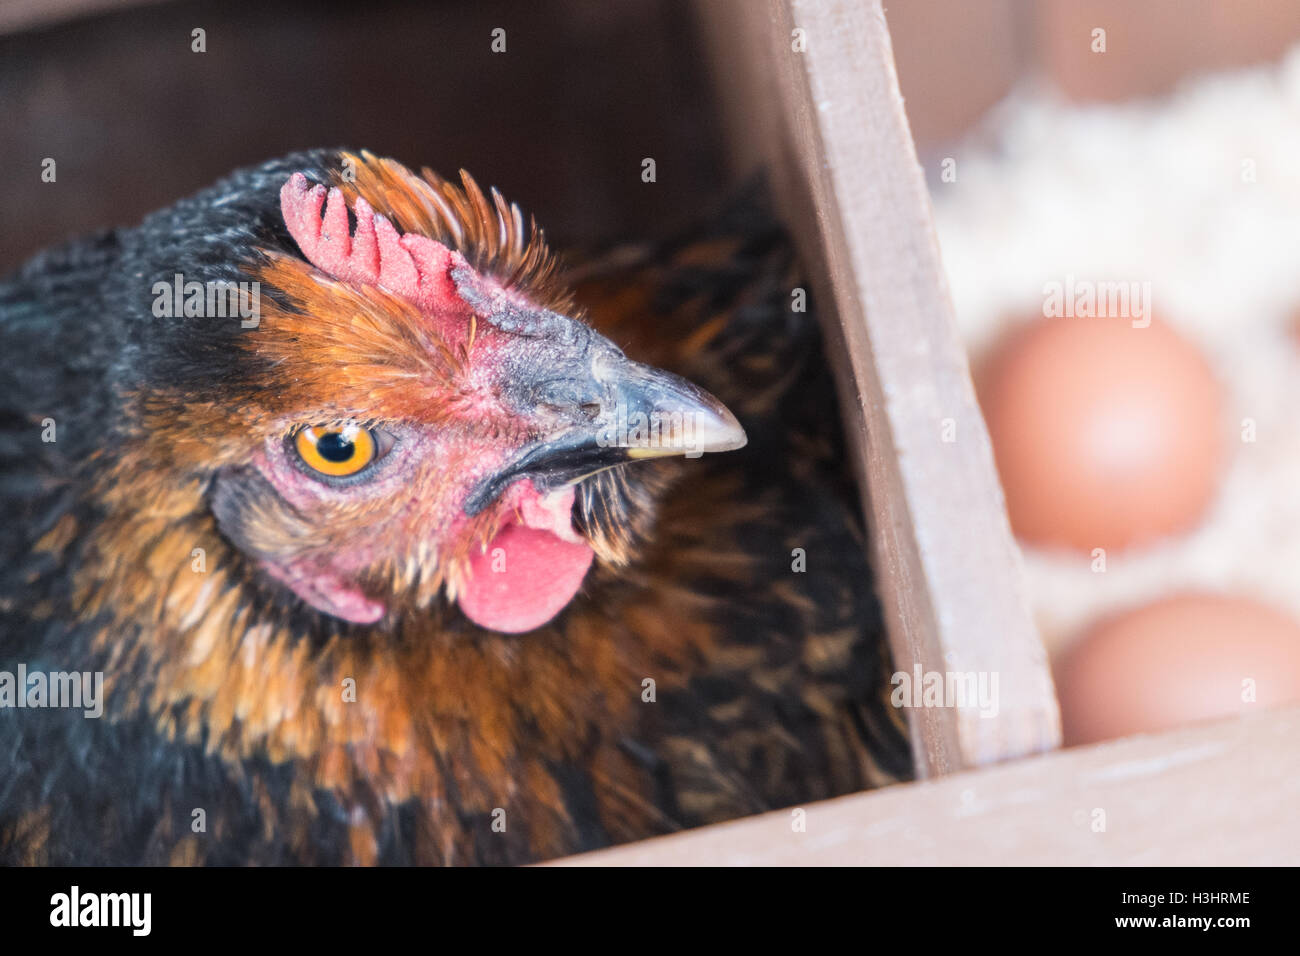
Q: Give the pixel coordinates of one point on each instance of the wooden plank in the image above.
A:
(829, 123)
(1221, 794)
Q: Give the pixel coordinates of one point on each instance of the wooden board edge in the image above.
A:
(849, 184)
(1219, 794)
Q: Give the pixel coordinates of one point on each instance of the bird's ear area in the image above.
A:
(413, 266)
(292, 549)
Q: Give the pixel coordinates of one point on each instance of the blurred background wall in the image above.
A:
(956, 58)
(562, 121)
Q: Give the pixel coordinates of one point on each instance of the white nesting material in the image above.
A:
(1198, 194)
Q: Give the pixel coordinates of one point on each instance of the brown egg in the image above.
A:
(1182, 659)
(1105, 435)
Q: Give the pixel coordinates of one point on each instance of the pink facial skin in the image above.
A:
(326, 591)
(514, 583)
(409, 504)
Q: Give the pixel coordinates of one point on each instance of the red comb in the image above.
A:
(412, 266)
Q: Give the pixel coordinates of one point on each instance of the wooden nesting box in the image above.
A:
(808, 89)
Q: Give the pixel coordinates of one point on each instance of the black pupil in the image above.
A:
(332, 446)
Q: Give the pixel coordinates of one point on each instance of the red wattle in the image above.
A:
(525, 578)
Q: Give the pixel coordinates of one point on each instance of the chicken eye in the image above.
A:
(336, 451)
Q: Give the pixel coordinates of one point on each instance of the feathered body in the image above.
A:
(308, 671)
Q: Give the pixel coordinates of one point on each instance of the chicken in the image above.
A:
(387, 553)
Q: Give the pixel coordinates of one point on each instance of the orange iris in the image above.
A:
(337, 451)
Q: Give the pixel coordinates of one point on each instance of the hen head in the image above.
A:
(419, 410)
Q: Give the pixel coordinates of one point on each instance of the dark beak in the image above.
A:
(622, 412)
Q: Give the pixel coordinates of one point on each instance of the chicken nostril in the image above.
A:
(589, 410)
